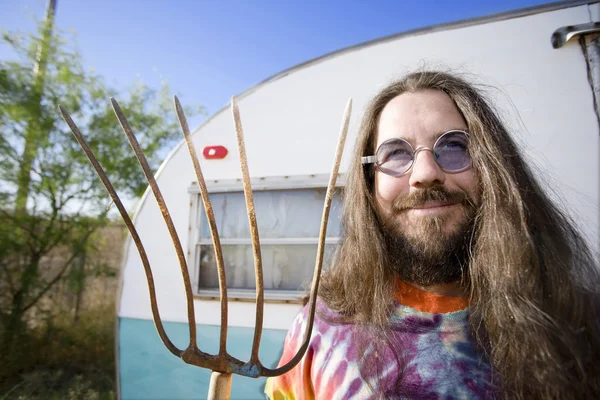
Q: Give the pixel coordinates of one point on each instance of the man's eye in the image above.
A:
(399, 153)
(454, 145)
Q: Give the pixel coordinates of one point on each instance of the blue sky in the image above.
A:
(209, 50)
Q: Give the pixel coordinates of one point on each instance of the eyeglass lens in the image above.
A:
(451, 152)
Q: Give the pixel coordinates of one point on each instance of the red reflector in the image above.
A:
(214, 152)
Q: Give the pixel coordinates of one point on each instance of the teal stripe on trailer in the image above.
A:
(149, 371)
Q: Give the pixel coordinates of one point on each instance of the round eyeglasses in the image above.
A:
(396, 156)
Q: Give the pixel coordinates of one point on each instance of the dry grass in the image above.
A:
(68, 349)
(71, 384)
(65, 360)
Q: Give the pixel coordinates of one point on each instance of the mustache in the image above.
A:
(437, 193)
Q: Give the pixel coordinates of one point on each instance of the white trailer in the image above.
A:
(547, 90)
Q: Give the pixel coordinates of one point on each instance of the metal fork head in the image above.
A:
(222, 362)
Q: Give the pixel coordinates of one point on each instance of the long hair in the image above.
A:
(533, 282)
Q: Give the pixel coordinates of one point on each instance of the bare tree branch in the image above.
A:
(8, 277)
(58, 275)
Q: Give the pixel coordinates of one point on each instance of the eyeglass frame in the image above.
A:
(366, 160)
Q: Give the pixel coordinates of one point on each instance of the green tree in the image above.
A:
(57, 204)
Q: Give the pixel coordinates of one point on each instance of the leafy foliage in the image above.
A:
(40, 159)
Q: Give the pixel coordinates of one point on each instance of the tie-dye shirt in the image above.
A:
(438, 357)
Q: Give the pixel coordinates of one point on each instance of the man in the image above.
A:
(457, 276)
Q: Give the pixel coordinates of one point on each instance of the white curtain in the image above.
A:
(280, 214)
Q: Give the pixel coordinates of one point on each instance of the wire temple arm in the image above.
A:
(368, 159)
(134, 235)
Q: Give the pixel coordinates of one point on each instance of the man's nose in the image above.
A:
(425, 172)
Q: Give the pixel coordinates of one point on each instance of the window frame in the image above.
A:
(275, 183)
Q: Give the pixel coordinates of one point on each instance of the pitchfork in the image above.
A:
(222, 364)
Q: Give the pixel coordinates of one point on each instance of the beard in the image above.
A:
(429, 254)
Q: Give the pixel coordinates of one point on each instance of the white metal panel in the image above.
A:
(291, 126)
(594, 11)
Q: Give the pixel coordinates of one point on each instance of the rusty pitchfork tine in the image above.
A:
(220, 383)
(134, 234)
(256, 243)
(258, 270)
(216, 242)
(211, 222)
(166, 216)
(320, 249)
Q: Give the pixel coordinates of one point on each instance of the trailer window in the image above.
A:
(288, 225)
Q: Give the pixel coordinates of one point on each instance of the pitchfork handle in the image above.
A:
(220, 386)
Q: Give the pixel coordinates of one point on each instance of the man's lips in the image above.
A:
(432, 204)
(431, 208)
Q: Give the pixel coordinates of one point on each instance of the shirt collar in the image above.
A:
(420, 300)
